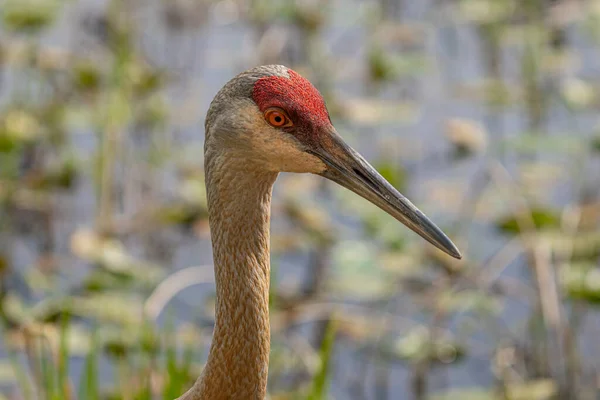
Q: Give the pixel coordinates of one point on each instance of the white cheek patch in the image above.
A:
(285, 153)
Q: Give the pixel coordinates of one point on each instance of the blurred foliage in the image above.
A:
(582, 282)
(418, 345)
(542, 218)
(29, 15)
(102, 190)
(319, 385)
(534, 390)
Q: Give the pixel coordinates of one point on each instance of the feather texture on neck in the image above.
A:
(239, 202)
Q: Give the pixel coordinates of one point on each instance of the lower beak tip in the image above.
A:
(454, 252)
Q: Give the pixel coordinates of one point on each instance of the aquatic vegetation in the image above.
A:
(483, 111)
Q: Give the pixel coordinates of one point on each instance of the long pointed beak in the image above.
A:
(349, 169)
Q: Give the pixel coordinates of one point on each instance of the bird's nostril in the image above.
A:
(359, 173)
(365, 178)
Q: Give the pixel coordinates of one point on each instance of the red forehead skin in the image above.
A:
(296, 95)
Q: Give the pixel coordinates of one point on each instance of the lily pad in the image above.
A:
(109, 307)
(486, 11)
(578, 94)
(19, 126)
(542, 389)
(469, 300)
(417, 345)
(370, 111)
(356, 273)
(466, 394)
(112, 256)
(537, 143)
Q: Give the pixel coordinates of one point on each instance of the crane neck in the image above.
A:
(239, 203)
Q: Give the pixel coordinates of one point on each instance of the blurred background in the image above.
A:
(483, 112)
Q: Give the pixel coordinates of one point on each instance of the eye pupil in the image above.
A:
(277, 118)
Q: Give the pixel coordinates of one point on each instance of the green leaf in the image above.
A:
(385, 67)
(88, 386)
(582, 282)
(543, 218)
(87, 76)
(29, 15)
(47, 368)
(63, 358)
(320, 380)
(393, 173)
(595, 143)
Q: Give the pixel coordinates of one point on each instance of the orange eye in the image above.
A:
(276, 117)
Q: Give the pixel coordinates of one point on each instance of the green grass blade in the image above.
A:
(319, 385)
(21, 375)
(88, 387)
(48, 386)
(63, 359)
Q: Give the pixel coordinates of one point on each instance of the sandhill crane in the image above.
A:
(267, 120)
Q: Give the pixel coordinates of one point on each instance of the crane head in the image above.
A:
(273, 117)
